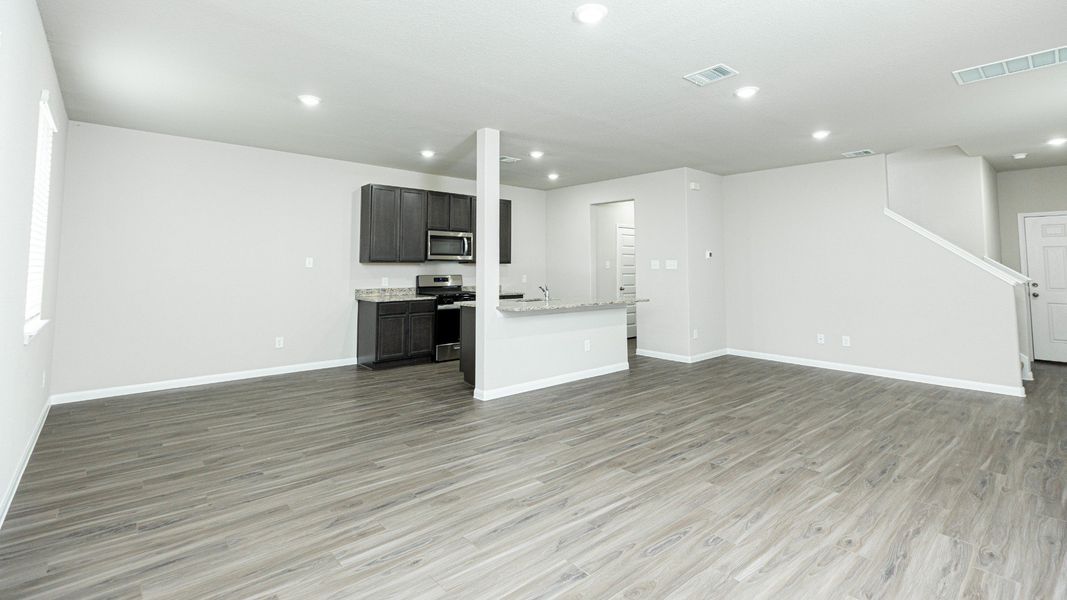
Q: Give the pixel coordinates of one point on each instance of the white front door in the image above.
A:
(1046, 258)
(626, 264)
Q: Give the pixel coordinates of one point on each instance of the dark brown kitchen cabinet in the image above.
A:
(505, 230)
(392, 225)
(391, 332)
(461, 213)
(449, 212)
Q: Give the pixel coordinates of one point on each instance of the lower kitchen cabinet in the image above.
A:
(390, 332)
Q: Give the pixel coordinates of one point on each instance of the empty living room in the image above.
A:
(533, 299)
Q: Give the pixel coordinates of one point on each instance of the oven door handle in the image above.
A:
(449, 307)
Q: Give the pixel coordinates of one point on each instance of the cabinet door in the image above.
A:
(384, 208)
(460, 213)
(420, 335)
(505, 232)
(412, 226)
(439, 211)
(392, 337)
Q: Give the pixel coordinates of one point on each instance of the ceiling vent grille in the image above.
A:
(858, 153)
(509, 160)
(1012, 66)
(711, 74)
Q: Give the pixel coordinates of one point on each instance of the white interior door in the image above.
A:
(1046, 258)
(626, 267)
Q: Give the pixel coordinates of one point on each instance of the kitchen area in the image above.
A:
(436, 319)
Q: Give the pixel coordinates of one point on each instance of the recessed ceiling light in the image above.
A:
(427, 153)
(553, 176)
(309, 100)
(1019, 155)
(746, 92)
(821, 134)
(1057, 141)
(536, 154)
(590, 14)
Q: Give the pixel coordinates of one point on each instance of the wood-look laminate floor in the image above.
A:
(731, 478)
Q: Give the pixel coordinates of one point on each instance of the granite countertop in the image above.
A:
(559, 305)
(389, 295)
(401, 294)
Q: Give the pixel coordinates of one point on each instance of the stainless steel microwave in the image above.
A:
(449, 245)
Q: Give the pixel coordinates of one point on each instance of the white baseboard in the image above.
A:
(171, 384)
(681, 357)
(1007, 390)
(9, 493)
(529, 386)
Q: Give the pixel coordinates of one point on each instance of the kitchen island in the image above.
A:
(547, 342)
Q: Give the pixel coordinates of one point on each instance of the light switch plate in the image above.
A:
(671, 265)
(707, 254)
(385, 282)
(524, 279)
(309, 262)
(607, 264)
(694, 186)
(653, 264)
(846, 341)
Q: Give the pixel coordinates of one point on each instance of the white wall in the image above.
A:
(671, 223)
(606, 218)
(704, 221)
(809, 250)
(941, 190)
(25, 70)
(185, 258)
(990, 211)
(1027, 191)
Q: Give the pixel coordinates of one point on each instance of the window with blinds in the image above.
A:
(42, 182)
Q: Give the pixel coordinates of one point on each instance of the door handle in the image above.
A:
(1035, 294)
(1033, 284)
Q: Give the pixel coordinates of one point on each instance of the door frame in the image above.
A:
(618, 270)
(1024, 263)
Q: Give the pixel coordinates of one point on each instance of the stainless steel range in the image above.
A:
(446, 290)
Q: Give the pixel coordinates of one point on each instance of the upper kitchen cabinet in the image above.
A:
(505, 229)
(393, 223)
(505, 232)
(449, 212)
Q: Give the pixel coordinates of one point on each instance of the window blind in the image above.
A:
(42, 183)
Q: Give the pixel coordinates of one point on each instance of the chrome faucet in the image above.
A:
(544, 290)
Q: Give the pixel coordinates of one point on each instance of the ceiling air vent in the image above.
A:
(1012, 66)
(508, 160)
(711, 74)
(858, 153)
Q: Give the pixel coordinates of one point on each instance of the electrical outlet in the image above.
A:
(279, 342)
(385, 282)
(820, 338)
(846, 341)
(653, 264)
(44, 379)
(588, 347)
(696, 334)
(309, 262)
(524, 279)
(607, 264)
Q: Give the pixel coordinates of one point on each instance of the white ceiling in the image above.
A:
(400, 76)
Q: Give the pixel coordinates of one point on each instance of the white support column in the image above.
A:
(487, 252)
